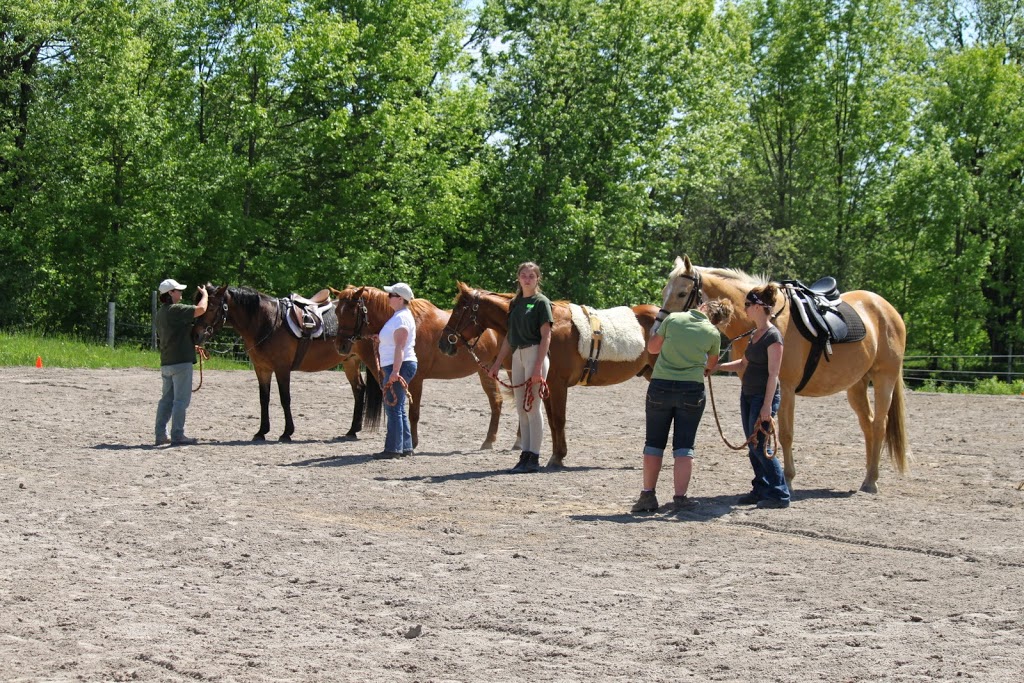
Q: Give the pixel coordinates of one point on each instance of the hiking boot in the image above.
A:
(532, 462)
(520, 466)
(684, 503)
(162, 440)
(184, 441)
(647, 502)
(749, 499)
(772, 504)
(387, 455)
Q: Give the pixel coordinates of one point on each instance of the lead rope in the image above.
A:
(528, 400)
(203, 355)
(770, 432)
(388, 389)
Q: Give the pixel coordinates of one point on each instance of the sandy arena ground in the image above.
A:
(309, 561)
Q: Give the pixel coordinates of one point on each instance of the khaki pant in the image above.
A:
(531, 424)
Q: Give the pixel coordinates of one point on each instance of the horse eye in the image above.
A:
(681, 294)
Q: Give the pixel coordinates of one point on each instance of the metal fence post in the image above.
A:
(110, 324)
(152, 305)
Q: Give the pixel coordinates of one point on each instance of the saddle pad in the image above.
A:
(329, 328)
(622, 336)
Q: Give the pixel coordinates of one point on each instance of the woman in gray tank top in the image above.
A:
(760, 396)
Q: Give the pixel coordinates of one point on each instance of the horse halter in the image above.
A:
(454, 333)
(695, 299)
(362, 315)
(218, 322)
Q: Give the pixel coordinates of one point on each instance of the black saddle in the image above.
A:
(823, 319)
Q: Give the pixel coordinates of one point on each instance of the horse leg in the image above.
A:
(787, 409)
(284, 389)
(355, 381)
(415, 394)
(263, 379)
(555, 409)
(872, 424)
(494, 397)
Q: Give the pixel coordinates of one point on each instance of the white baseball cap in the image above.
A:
(401, 289)
(169, 284)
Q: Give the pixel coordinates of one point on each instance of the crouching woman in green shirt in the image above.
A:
(686, 342)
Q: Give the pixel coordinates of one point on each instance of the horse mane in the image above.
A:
(251, 303)
(741, 277)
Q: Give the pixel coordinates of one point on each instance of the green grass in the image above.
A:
(66, 352)
(987, 385)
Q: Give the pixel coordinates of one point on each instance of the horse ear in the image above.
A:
(220, 290)
(678, 264)
(686, 262)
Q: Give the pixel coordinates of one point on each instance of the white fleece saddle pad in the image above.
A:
(622, 335)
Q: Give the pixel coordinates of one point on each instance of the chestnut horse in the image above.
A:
(876, 360)
(273, 350)
(363, 311)
(477, 311)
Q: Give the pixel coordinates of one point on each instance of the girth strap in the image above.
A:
(596, 338)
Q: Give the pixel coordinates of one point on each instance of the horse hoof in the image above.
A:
(867, 487)
(555, 464)
(487, 446)
(259, 437)
(285, 438)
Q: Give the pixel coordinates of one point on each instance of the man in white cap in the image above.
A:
(177, 356)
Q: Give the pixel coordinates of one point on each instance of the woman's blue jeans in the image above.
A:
(399, 437)
(670, 401)
(769, 479)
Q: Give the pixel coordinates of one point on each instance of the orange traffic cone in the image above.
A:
(39, 361)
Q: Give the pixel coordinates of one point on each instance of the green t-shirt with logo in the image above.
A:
(174, 329)
(689, 339)
(525, 319)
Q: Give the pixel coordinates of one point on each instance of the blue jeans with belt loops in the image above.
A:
(668, 402)
(769, 480)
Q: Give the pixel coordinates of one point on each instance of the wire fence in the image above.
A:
(961, 369)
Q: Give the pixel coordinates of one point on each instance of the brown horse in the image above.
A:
(876, 360)
(477, 311)
(363, 311)
(274, 350)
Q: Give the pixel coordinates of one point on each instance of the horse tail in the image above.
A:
(373, 402)
(896, 428)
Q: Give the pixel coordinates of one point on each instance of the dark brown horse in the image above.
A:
(477, 311)
(876, 360)
(274, 350)
(363, 311)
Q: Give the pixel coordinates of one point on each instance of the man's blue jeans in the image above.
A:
(174, 400)
(769, 480)
(670, 401)
(399, 437)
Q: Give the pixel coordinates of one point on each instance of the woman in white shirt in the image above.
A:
(398, 360)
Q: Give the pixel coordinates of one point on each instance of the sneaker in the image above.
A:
(750, 499)
(683, 503)
(520, 467)
(772, 504)
(184, 441)
(387, 455)
(163, 440)
(648, 502)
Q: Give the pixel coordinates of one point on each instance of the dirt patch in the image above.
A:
(234, 560)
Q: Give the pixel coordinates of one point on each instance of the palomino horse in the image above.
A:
(274, 350)
(477, 311)
(877, 360)
(362, 312)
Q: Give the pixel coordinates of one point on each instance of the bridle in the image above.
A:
(695, 299)
(362, 316)
(218, 323)
(453, 330)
